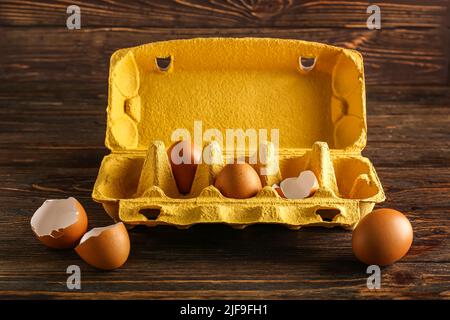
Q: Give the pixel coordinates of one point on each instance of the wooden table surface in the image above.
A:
(53, 94)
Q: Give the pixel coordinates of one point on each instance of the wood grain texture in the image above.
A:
(53, 95)
(52, 143)
(398, 56)
(225, 14)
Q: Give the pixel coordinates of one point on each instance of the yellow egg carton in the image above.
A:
(312, 93)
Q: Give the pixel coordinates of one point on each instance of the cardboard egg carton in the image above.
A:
(319, 110)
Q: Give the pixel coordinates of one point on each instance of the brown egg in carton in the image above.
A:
(146, 193)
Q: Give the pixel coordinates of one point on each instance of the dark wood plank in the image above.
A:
(214, 14)
(208, 261)
(398, 56)
(53, 93)
(31, 123)
(205, 281)
(389, 145)
(401, 185)
(215, 261)
(44, 157)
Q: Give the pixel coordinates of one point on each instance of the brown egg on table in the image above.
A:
(238, 180)
(382, 237)
(105, 248)
(60, 223)
(184, 158)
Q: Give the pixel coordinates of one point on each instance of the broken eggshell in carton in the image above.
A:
(59, 223)
(303, 186)
(105, 248)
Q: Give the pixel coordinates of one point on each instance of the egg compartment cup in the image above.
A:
(249, 83)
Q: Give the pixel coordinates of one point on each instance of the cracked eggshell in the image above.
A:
(105, 248)
(303, 186)
(60, 223)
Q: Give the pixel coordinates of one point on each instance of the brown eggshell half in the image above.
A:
(105, 248)
(382, 237)
(184, 173)
(238, 180)
(60, 223)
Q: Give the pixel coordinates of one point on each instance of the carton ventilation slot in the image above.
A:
(150, 213)
(328, 214)
(163, 63)
(307, 63)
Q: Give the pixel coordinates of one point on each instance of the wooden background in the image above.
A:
(53, 94)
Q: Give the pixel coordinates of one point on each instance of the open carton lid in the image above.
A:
(230, 83)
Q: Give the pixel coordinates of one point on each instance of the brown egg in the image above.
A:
(60, 223)
(184, 158)
(382, 237)
(238, 181)
(105, 248)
